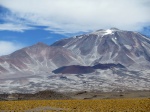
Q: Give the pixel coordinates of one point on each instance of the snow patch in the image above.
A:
(108, 32)
(114, 40)
(78, 37)
(128, 47)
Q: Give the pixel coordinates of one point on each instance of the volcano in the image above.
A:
(131, 49)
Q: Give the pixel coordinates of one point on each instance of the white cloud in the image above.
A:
(14, 27)
(82, 15)
(7, 47)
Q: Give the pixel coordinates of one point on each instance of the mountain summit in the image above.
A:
(104, 60)
(111, 46)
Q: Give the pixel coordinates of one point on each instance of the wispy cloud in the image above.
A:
(70, 16)
(14, 27)
(7, 47)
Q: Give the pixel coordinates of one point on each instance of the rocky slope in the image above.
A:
(36, 59)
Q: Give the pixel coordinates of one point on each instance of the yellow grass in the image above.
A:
(106, 105)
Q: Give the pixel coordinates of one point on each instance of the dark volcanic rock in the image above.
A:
(108, 66)
(74, 69)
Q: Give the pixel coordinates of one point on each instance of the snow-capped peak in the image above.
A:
(108, 31)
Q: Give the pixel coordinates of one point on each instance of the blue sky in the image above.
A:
(26, 22)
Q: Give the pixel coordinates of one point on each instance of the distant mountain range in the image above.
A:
(104, 60)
